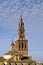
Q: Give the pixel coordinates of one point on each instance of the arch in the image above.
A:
(9, 63)
(19, 46)
(15, 63)
(25, 45)
(28, 64)
(22, 45)
(22, 63)
(3, 64)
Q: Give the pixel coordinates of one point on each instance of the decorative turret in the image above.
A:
(12, 46)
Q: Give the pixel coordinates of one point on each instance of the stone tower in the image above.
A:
(21, 41)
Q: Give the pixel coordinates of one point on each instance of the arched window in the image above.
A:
(9, 63)
(19, 46)
(3, 64)
(15, 63)
(35, 63)
(22, 64)
(22, 45)
(28, 64)
(25, 45)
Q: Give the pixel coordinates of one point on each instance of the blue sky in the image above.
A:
(32, 14)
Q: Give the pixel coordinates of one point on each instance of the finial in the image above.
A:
(20, 16)
(12, 44)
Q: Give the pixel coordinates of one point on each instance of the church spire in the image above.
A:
(21, 29)
(21, 42)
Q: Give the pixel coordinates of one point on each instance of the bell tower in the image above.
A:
(21, 41)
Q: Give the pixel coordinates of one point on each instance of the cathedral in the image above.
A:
(18, 53)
